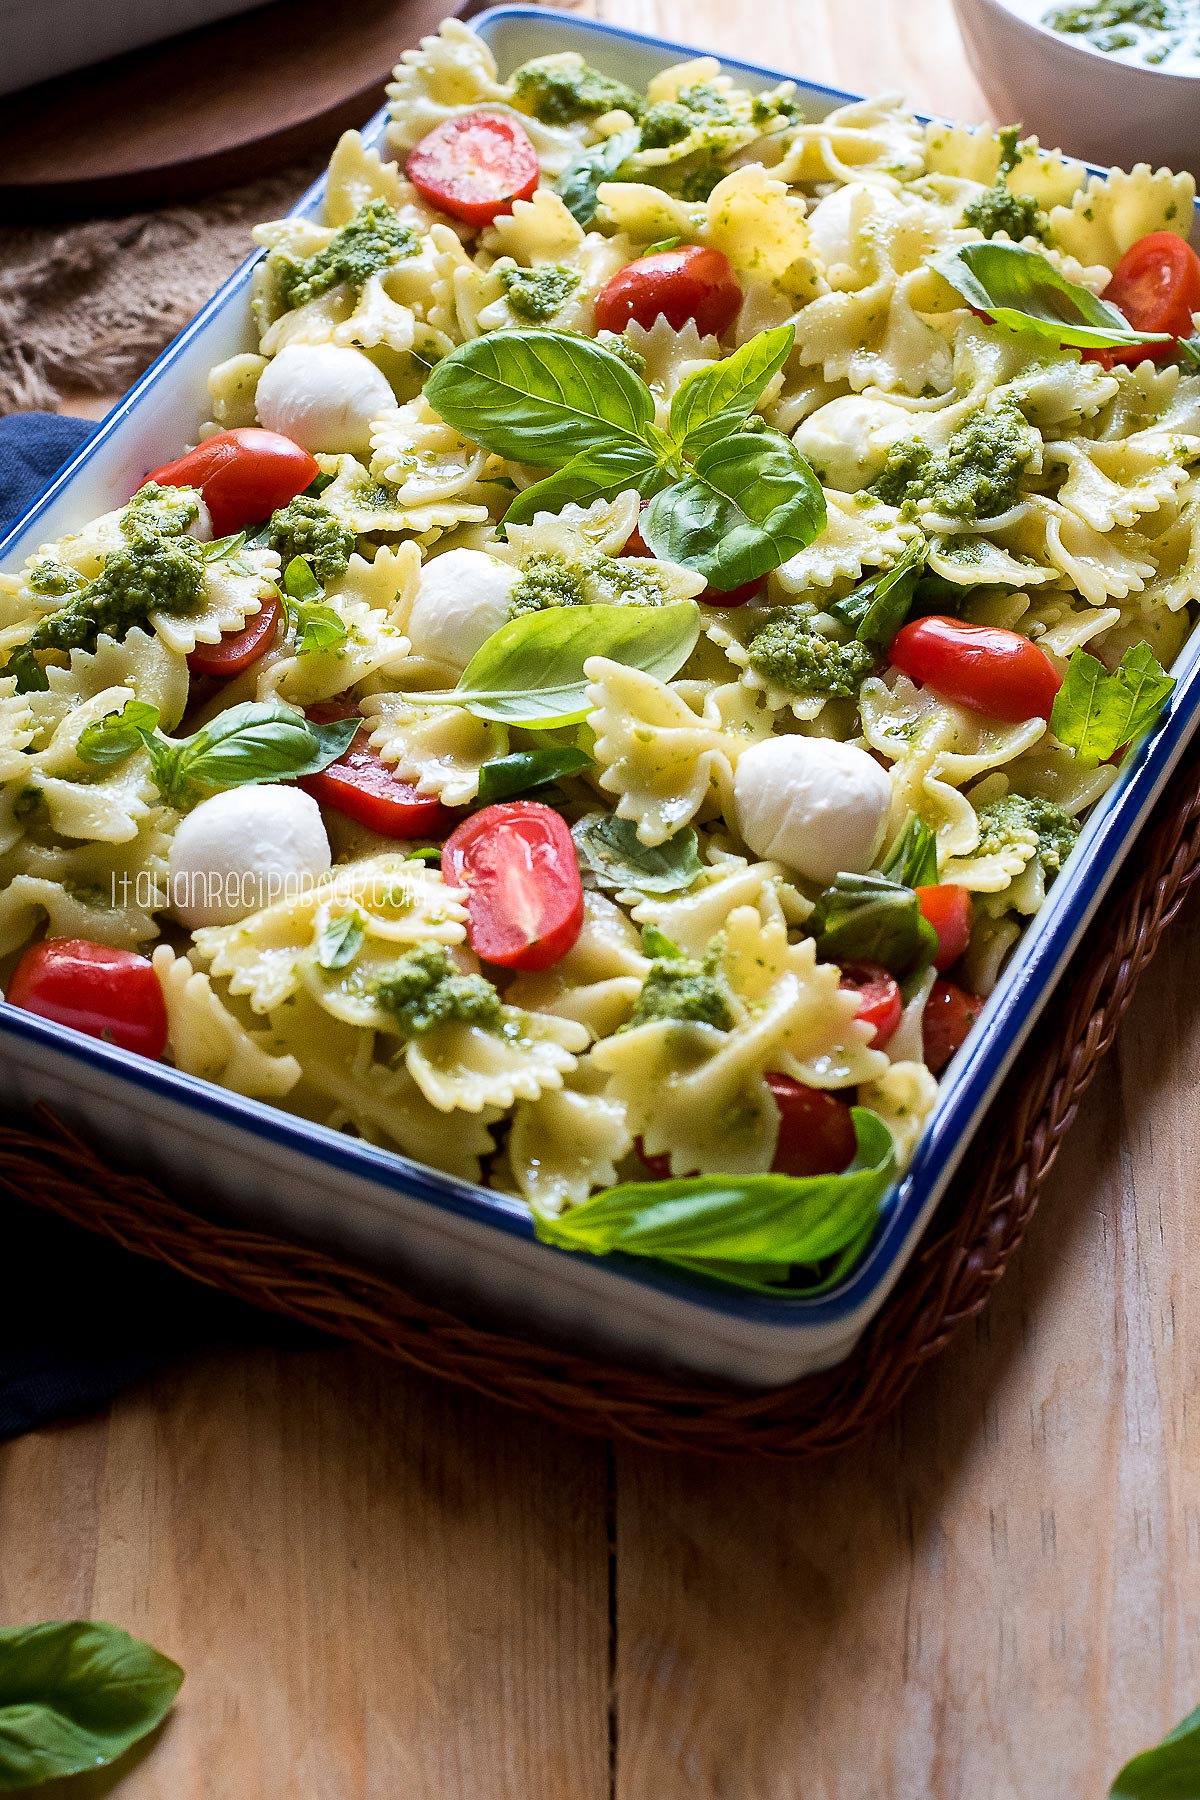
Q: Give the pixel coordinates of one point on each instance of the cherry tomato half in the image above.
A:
(816, 1132)
(1156, 285)
(879, 1003)
(362, 786)
(110, 994)
(474, 166)
(948, 910)
(243, 475)
(949, 1015)
(524, 896)
(984, 667)
(688, 283)
(236, 650)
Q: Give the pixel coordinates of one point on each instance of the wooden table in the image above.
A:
(382, 1589)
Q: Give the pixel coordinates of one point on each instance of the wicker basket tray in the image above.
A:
(963, 1254)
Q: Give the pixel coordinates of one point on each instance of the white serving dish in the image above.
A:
(466, 1243)
(1101, 108)
(44, 38)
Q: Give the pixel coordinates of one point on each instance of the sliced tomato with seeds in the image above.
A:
(1156, 284)
(880, 1003)
(234, 651)
(950, 1012)
(518, 865)
(109, 994)
(474, 166)
(948, 909)
(361, 785)
(689, 283)
(244, 475)
(816, 1132)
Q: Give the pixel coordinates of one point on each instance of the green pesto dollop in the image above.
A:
(559, 90)
(619, 344)
(1161, 31)
(997, 208)
(977, 475)
(424, 989)
(163, 511)
(373, 240)
(788, 651)
(304, 527)
(697, 108)
(54, 580)
(548, 579)
(1028, 819)
(537, 294)
(689, 989)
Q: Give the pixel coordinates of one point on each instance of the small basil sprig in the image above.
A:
(609, 849)
(1023, 290)
(870, 918)
(1170, 1771)
(340, 939)
(526, 769)
(75, 1696)
(316, 627)
(1094, 713)
(728, 501)
(877, 608)
(913, 858)
(754, 1230)
(531, 672)
(261, 740)
(579, 184)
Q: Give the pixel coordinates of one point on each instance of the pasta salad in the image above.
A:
(629, 651)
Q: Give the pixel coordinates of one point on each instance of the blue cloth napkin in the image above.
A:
(80, 1318)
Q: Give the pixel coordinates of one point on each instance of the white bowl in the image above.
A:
(1091, 103)
(44, 38)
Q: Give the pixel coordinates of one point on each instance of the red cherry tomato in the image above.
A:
(683, 284)
(236, 650)
(244, 475)
(879, 1003)
(524, 896)
(736, 596)
(981, 666)
(362, 786)
(474, 166)
(1156, 285)
(109, 994)
(635, 543)
(948, 910)
(949, 1015)
(816, 1132)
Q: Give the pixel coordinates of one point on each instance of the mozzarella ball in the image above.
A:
(323, 397)
(243, 849)
(847, 440)
(817, 805)
(201, 526)
(462, 599)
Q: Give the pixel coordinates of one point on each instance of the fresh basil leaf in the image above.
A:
(262, 740)
(660, 244)
(299, 581)
(319, 628)
(611, 850)
(531, 672)
(526, 769)
(428, 853)
(717, 400)
(878, 608)
(750, 502)
(223, 549)
(540, 397)
(1171, 1771)
(657, 945)
(867, 918)
(27, 671)
(599, 474)
(913, 858)
(579, 184)
(715, 1224)
(1023, 290)
(107, 742)
(1094, 713)
(75, 1696)
(340, 939)
(1189, 351)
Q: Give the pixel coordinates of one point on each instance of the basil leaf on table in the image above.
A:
(913, 858)
(1170, 1771)
(75, 1696)
(749, 503)
(540, 397)
(1094, 713)
(877, 608)
(720, 1224)
(869, 918)
(714, 401)
(525, 769)
(610, 849)
(579, 184)
(599, 474)
(1023, 290)
(532, 671)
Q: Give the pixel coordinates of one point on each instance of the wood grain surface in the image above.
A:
(383, 1589)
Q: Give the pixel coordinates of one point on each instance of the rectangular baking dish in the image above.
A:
(469, 1245)
(44, 38)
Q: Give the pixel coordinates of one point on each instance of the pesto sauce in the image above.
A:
(559, 90)
(548, 579)
(786, 650)
(688, 989)
(304, 527)
(1015, 817)
(424, 989)
(976, 476)
(373, 240)
(998, 208)
(535, 295)
(1161, 33)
